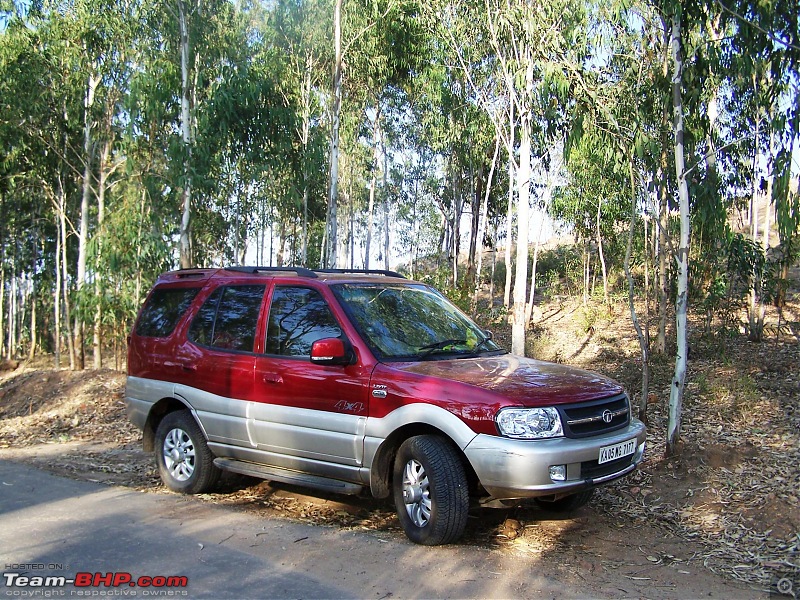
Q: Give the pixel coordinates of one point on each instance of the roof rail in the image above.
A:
(301, 271)
(362, 272)
(314, 273)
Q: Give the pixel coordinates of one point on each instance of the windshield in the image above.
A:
(411, 322)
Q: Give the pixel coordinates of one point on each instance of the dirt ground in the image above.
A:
(722, 516)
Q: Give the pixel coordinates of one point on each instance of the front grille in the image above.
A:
(591, 470)
(595, 417)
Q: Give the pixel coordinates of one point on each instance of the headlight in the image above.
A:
(529, 423)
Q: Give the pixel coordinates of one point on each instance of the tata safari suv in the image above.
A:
(353, 381)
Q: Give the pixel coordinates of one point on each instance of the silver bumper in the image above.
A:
(512, 469)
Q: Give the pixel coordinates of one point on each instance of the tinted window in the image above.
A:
(163, 310)
(202, 329)
(228, 318)
(297, 318)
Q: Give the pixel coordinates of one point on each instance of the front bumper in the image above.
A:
(513, 469)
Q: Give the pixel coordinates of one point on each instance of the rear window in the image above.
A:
(163, 310)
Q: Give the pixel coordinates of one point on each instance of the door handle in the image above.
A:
(272, 378)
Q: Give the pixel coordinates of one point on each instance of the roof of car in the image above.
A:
(186, 275)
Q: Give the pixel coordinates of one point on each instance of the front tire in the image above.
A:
(430, 491)
(184, 461)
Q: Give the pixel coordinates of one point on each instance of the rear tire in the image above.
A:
(567, 503)
(431, 493)
(185, 463)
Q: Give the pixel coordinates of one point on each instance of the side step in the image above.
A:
(286, 476)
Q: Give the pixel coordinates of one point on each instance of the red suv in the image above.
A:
(346, 380)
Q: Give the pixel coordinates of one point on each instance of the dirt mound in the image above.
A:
(46, 406)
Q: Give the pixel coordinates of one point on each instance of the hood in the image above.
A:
(522, 381)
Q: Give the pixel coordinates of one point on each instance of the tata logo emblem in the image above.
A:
(608, 416)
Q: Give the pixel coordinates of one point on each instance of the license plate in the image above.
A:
(609, 453)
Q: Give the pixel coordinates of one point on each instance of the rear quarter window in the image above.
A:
(228, 318)
(163, 310)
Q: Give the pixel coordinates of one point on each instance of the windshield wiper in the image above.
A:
(480, 344)
(441, 345)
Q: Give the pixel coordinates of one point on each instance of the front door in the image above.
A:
(308, 417)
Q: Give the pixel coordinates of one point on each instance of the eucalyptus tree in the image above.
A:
(594, 198)
(301, 28)
(371, 45)
(761, 58)
(45, 104)
(530, 45)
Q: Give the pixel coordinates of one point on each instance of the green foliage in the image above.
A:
(440, 79)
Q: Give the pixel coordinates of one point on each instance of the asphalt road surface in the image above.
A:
(53, 527)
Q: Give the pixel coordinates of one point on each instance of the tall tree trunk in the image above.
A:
(532, 291)
(663, 210)
(663, 281)
(762, 305)
(644, 345)
(12, 307)
(372, 185)
(336, 108)
(547, 195)
(754, 334)
(62, 217)
(523, 208)
(97, 345)
(510, 211)
(304, 138)
(681, 304)
(600, 252)
(386, 207)
(2, 274)
(482, 222)
(186, 258)
(35, 238)
(57, 301)
(456, 226)
(83, 229)
(476, 196)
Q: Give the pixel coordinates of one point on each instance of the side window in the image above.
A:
(228, 318)
(297, 318)
(163, 310)
(202, 329)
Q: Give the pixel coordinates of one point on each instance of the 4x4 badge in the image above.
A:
(354, 407)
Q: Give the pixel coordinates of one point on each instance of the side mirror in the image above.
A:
(331, 351)
(489, 334)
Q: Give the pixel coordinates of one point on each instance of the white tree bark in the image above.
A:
(336, 108)
(83, 228)
(681, 303)
(523, 210)
(482, 225)
(186, 260)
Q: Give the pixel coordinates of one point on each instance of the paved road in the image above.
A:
(71, 527)
(86, 527)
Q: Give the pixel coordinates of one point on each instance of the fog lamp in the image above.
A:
(558, 472)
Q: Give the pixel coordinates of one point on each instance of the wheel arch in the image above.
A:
(383, 461)
(157, 413)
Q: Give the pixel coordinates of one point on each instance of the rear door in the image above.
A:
(217, 360)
